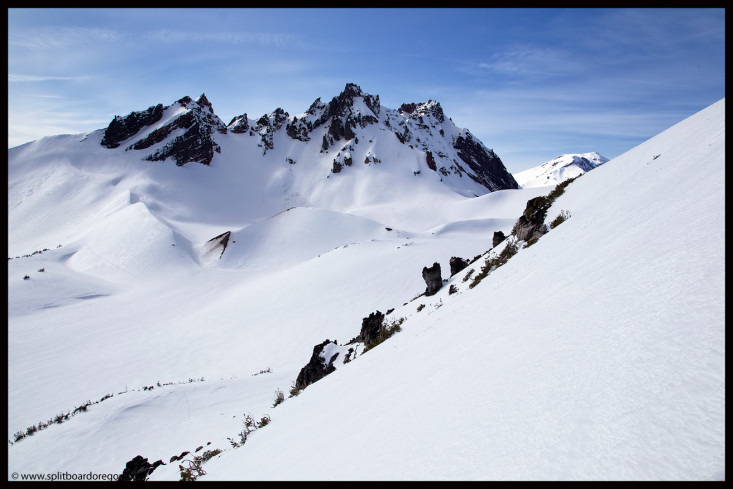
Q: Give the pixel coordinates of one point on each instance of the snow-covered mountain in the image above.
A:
(187, 131)
(163, 303)
(559, 169)
(350, 155)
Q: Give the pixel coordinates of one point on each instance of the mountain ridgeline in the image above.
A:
(343, 129)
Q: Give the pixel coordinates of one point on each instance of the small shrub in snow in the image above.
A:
(560, 189)
(209, 454)
(531, 241)
(279, 397)
(452, 289)
(562, 217)
(494, 262)
(468, 274)
(384, 333)
(420, 307)
(81, 408)
(294, 390)
(194, 470)
(250, 425)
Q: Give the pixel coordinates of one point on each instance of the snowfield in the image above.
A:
(598, 353)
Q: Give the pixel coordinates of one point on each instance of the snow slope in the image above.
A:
(597, 353)
(602, 365)
(559, 169)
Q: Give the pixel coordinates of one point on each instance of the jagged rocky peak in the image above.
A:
(239, 124)
(268, 124)
(185, 132)
(350, 109)
(194, 145)
(204, 102)
(273, 120)
(345, 103)
(429, 108)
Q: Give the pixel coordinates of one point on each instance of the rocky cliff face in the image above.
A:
(122, 128)
(186, 132)
(187, 135)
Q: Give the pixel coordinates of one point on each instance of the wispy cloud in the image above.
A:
(531, 60)
(60, 37)
(274, 39)
(17, 77)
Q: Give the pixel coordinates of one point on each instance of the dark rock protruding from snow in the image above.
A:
(457, 264)
(316, 369)
(370, 328)
(498, 238)
(432, 278)
(531, 224)
(217, 242)
(488, 168)
(430, 160)
(138, 469)
(239, 124)
(122, 128)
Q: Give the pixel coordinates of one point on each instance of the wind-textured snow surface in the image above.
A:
(597, 353)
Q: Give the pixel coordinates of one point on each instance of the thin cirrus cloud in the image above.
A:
(19, 77)
(273, 39)
(530, 60)
(60, 37)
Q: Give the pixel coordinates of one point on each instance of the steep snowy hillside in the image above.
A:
(562, 364)
(559, 169)
(183, 298)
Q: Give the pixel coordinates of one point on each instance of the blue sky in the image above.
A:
(530, 83)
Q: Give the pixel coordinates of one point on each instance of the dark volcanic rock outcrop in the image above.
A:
(457, 264)
(488, 168)
(370, 328)
(122, 128)
(316, 369)
(498, 238)
(138, 469)
(531, 223)
(218, 242)
(432, 278)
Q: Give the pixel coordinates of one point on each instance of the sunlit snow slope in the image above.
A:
(598, 353)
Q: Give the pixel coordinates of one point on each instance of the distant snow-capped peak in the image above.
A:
(559, 169)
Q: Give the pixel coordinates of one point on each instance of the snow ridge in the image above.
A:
(559, 169)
